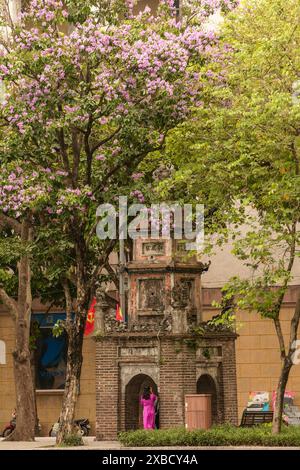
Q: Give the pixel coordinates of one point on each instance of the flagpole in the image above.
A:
(121, 277)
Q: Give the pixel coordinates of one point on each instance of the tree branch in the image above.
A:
(24, 284)
(278, 304)
(280, 337)
(6, 221)
(101, 265)
(76, 146)
(88, 151)
(9, 303)
(295, 324)
(63, 150)
(69, 304)
(112, 274)
(107, 139)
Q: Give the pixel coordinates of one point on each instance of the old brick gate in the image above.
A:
(164, 344)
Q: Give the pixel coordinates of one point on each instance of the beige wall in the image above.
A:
(225, 265)
(48, 404)
(257, 355)
(258, 367)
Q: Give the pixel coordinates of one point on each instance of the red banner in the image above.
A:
(119, 314)
(90, 320)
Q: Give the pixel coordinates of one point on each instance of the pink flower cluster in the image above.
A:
(204, 8)
(21, 190)
(45, 11)
(137, 176)
(71, 199)
(146, 73)
(124, 69)
(138, 195)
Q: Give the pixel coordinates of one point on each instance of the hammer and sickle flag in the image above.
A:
(119, 313)
(90, 320)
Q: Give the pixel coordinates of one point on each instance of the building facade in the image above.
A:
(119, 362)
(256, 349)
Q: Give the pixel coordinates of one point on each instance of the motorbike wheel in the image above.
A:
(84, 431)
(7, 432)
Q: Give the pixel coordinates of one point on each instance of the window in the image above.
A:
(2, 353)
(50, 353)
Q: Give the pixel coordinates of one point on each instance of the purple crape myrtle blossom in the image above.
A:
(24, 189)
(119, 87)
(205, 8)
(116, 70)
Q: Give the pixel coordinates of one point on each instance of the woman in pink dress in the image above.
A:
(148, 403)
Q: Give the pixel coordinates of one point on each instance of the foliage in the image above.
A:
(72, 440)
(224, 435)
(243, 145)
(58, 328)
(35, 333)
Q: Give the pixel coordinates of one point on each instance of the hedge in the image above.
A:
(225, 435)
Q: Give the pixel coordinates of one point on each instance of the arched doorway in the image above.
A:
(133, 392)
(206, 384)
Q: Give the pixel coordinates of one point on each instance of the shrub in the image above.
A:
(72, 440)
(225, 435)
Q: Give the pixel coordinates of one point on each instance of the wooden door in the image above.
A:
(198, 411)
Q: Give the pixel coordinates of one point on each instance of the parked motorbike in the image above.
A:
(9, 428)
(83, 426)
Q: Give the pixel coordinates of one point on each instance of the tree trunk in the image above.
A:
(75, 331)
(25, 402)
(287, 363)
(285, 371)
(36, 420)
(21, 313)
(73, 372)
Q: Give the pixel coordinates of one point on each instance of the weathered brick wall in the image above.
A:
(107, 421)
(177, 378)
(177, 364)
(229, 383)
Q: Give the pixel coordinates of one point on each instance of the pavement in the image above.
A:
(48, 443)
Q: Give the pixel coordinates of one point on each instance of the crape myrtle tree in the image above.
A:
(243, 144)
(90, 93)
(23, 194)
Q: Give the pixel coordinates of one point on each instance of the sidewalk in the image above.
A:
(48, 443)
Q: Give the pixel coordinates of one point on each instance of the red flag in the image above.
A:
(90, 320)
(119, 314)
